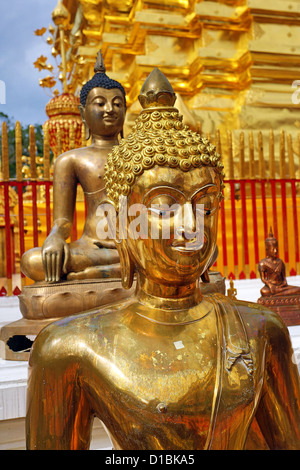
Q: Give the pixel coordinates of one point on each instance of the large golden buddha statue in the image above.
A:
(167, 368)
(103, 110)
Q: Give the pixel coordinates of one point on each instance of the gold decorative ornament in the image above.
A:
(64, 114)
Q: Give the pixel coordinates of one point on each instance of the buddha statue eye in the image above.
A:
(156, 211)
(160, 212)
(206, 205)
(118, 104)
(204, 211)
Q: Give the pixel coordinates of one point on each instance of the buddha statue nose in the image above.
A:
(108, 107)
(189, 222)
(186, 231)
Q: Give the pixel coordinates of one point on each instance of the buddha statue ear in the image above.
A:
(205, 275)
(119, 236)
(87, 130)
(127, 265)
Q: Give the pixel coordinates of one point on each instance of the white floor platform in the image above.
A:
(13, 374)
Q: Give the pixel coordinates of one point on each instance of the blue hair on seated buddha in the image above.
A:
(100, 79)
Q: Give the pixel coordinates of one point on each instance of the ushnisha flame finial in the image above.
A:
(100, 79)
(99, 65)
(271, 237)
(157, 91)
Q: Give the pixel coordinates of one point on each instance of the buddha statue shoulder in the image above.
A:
(102, 108)
(168, 368)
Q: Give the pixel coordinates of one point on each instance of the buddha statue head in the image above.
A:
(173, 177)
(271, 244)
(102, 103)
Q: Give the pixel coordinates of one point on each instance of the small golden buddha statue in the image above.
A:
(167, 368)
(103, 108)
(276, 292)
(232, 292)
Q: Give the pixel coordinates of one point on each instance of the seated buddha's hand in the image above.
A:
(55, 255)
(273, 289)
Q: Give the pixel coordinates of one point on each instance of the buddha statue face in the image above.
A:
(178, 236)
(272, 248)
(271, 244)
(162, 163)
(102, 103)
(104, 111)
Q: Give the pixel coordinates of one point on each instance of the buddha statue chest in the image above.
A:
(89, 169)
(162, 389)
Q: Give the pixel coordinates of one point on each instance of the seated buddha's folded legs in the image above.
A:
(87, 264)
(32, 264)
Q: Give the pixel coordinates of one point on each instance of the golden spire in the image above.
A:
(157, 91)
(60, 14)
(270, 237)
(60, 17)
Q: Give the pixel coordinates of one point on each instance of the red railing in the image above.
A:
(250, 207)
(17, 222)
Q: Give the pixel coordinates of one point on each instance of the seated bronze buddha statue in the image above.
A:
(103, 108)
(81, 274)
(272, 271)
(168, 368)
(276, 293)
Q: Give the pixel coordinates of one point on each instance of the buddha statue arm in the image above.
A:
(261, 271)
(64, 194)
(283, 273)
(59, 415)
(55, 250)
(278, 413)
(263, 277)
(268, 281)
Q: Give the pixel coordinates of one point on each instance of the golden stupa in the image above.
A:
(225, 59)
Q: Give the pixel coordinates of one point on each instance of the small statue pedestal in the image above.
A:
(287, 306)
(42, 303)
